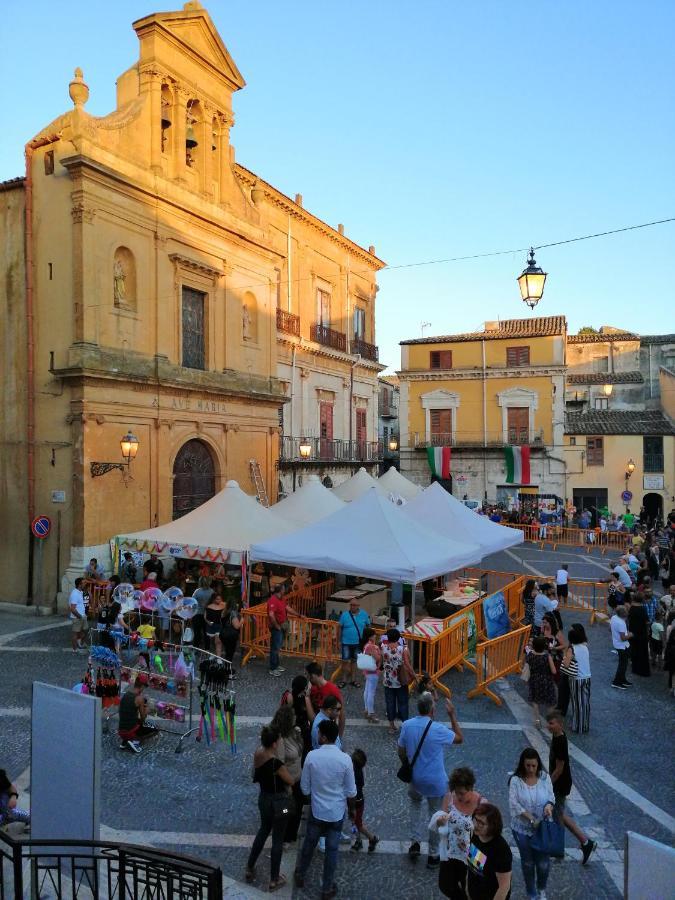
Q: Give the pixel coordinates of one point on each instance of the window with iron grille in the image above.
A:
(194, 353)
(517, 356)
(440, 359)
(652, 451)
(595, 451)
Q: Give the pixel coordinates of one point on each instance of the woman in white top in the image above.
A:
(578, 662)
(530, 800)
(454, 823)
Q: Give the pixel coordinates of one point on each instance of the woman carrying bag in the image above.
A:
(274, 803)
(368, 662)
(289, 752)
(398, 674)
(531, 801)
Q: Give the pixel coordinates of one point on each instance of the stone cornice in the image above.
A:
(477, 374)
(195, 266)
(310, 347)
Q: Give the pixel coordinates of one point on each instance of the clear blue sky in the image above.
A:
(430, 129)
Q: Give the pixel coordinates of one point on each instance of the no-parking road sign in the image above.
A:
(41, 526)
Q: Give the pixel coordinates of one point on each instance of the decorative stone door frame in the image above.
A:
(521, 397)
(439, 399)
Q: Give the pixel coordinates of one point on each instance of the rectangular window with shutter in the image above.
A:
(193, 329)
(440, 359)
(359, 323)
(595, 451)
(518, 425)
(517, 356)
(441, 427)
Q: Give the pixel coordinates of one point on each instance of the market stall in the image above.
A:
(447, 517)
(308, 504)
(358, 485)
(397, 486)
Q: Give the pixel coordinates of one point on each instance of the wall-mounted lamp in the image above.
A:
(393, 445)
(129, 448)
(607, 390)
(630, 468)
(305, 449)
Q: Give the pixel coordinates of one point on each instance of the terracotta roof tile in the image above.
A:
(602, 337)
(606, 378)
(619, 422)
(657, 339)
(12, 183)
(509, 328)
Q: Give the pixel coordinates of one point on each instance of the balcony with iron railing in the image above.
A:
(288, 322)
(474, 439)
(328, 337)
(653, 462)
(364, 349)
(323, 450)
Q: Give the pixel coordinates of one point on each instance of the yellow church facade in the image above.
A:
(145, 269)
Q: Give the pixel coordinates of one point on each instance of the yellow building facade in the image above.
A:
(144, 271)
(479, 393)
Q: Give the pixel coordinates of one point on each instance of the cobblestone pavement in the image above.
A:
(202, 801)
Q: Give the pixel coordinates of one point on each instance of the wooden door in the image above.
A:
(361, 433)
(326, 430)
(441, 427)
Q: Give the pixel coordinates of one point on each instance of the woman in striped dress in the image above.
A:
(579, 681)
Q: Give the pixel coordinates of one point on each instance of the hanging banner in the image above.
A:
(496, 616)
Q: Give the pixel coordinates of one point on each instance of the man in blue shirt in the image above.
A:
(330, 711)
(352, 623)
(429, 778)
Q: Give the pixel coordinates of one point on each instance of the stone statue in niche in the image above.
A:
(119, 282)
(246, 322)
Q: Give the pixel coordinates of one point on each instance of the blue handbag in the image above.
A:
(549, 838)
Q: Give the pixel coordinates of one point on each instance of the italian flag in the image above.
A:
(517, 465)
(439, 461)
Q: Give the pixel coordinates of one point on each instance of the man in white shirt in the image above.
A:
(78, 616)
(544, 602)
(624, 577)
(328, 780)
(620, 638)
(562, 577)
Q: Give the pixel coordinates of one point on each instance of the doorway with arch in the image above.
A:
(653, 504)
(194, 477)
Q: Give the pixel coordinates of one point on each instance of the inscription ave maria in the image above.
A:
(190, 404)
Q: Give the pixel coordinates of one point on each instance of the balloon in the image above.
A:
(123, 593)
(188, 607)
(150, 599)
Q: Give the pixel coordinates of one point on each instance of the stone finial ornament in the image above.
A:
(78, 90)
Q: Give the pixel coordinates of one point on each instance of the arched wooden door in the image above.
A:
(194, 477)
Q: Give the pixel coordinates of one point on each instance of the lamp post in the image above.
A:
(531, 281)
(630, 468)
(129, 448)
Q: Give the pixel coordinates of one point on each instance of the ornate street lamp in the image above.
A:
(393, 445)
(129, 448)
(305, 449)
(607, 390)
(630, 468)
(531, 282)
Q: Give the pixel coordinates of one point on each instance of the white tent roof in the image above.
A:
(398, 485)
(370, 537)
(226, 524)
(308, 504)
(447, 516)
(356, 486)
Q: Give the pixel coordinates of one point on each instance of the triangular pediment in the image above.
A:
(193, 28)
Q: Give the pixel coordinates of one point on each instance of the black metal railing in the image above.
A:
(328, 337)
(364, 349)
(327, 450)
(102, 870)
(653, 462)
(475, 439)
(288, 322)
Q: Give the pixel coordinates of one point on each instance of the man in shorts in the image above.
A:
(352, 623)
(562, 577)
(78, 616)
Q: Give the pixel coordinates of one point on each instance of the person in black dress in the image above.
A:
(638, 626)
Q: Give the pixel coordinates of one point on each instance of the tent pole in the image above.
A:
(412, 604)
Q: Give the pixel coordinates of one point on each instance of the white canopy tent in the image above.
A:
(308, 504)
(397, 485)
(369, 537)
(357, 485)
(446, 516)
(219, 530)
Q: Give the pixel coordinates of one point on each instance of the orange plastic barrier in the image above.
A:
(590, 538)
(498, 658)
(312, 598)
(309, 638)
(97, 591)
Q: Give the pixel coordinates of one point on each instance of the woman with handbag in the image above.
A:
(275, 804)
(454, 824)
(289, 752)
(531, 800)
(398, 674)
(368, 661)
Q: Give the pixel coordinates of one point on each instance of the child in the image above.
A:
(656, 636)
(426, 686)
(542, 671)
(359, 760)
